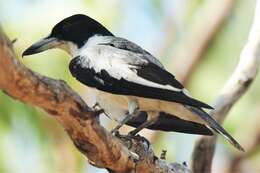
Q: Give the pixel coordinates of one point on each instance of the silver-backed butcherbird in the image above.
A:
(131, 85)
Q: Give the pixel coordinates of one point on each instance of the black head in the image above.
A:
(78, 28)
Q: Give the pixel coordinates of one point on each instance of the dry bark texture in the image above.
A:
(235, 87)
(80, 122)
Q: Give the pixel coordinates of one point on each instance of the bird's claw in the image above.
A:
(137, 137)
(134, 156)
(127, 139)
(132, 134)
(97, 109)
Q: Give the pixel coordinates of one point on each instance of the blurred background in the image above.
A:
(197, 40)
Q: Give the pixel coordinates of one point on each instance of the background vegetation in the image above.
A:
(31, 141)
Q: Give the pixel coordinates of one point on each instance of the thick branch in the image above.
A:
(80, 122)
(236, 86)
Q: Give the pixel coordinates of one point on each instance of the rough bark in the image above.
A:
(236, 86)
(80, 122)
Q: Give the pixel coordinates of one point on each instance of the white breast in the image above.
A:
(115, 106)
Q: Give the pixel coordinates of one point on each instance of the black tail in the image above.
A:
(213, 124)
(167, 122)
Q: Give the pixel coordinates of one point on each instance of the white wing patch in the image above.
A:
(116, 63)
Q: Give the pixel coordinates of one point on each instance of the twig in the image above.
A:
(236, 86)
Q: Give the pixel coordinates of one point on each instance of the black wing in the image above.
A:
(167, 122)
(106, 82)
(158, 75)
(155, 72)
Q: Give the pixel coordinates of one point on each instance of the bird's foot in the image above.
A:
(131, 140)
(125, 138)
(133, 133)
(135, 157)
(97, 109)
(136, 136)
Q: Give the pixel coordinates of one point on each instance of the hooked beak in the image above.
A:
(42, 45)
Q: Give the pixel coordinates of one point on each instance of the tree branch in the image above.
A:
(236, 86)
(80, 122)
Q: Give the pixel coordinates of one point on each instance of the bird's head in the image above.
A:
(69, 34)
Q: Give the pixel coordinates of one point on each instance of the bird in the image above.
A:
(129, 83)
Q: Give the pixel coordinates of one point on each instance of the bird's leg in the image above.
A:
(133, 111)
(141, 127)
(152, 117)
(127, 118)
